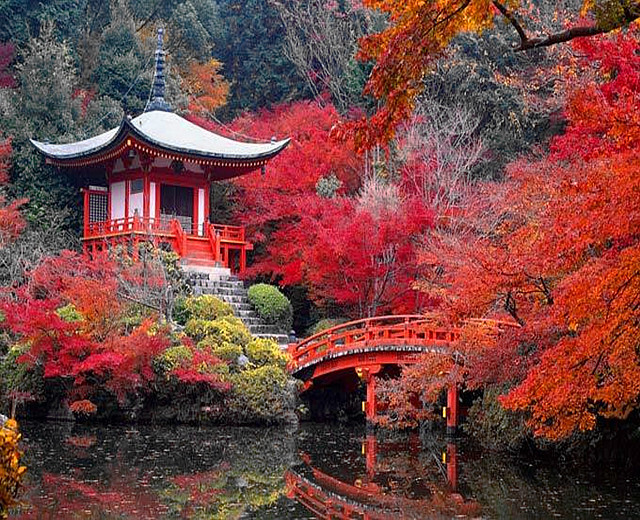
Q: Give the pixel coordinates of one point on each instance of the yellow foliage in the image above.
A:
(262, 351)
(11, 471)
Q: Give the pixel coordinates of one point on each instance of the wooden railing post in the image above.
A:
(136, 221)
(217, 250)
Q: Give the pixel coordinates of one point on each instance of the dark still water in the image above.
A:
(318, 471)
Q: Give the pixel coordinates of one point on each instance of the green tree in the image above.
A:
(47, 106)
(254, 57)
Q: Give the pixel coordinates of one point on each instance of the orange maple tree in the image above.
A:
(557, 248)
(207, 87)
(420, 31)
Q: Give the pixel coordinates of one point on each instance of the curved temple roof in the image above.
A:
(166, 131)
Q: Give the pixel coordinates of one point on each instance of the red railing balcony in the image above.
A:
(219, 244)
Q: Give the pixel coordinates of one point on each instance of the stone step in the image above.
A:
(232, 299)
(231, 290)
(251, 322)
(280, 339)
(214, 284)
(245, 313)
(242, 307)
(227, 292)
(265, 329)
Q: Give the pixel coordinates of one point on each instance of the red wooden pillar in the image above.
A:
(207, 204)
(87, 199)
(370, 448)
(146, 198)
(453, 412)
(158, 188)
(371, 404)
(127, 190)
(194, 224)
(218, 252)
(243, 258)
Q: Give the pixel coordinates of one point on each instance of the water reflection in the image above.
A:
(319, 471)
(398, 480)
(149, 473)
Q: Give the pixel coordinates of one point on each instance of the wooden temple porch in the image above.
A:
(218, 246)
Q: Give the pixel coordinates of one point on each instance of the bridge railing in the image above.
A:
(371, 332)
(408, 329)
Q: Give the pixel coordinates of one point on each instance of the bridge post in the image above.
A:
(370, 449)
(452, 465)
(370, 379)
(452, 410)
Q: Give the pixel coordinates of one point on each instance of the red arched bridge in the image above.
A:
(370, 344)
(367, 346)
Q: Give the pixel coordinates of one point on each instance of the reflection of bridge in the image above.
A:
(328, 497)
(367, 346)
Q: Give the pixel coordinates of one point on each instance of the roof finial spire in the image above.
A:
(157, 101)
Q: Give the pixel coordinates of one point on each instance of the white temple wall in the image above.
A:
(152, 199)
(136, 202)
(117, 191)
(200, 211)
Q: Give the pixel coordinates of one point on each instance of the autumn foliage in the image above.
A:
(420, 32)
(208, 89)
(11, 223)
(321, 223)
(555, 249)
(69, 322)
(11, 472)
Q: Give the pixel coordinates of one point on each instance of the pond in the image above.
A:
(316, 471)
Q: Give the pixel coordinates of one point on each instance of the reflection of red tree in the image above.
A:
(127, 495)
(202, 488)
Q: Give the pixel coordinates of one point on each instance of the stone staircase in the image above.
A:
(230, 289)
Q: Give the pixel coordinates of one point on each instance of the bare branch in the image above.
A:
(581, 31)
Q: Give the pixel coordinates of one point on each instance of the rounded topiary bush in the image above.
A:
(273, 307)
(259, 395)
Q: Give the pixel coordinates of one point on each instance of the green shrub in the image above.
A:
(69, 313)
(229, 352)
(135, 314)
(259, 394)
(328, 186)
(261, 351)
(495, 427)
(20, 377)
(272, 306)
(204, 307)
(325, 324)
(227, 329)
(173, 358)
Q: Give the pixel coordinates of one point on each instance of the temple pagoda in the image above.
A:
(149, 179)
